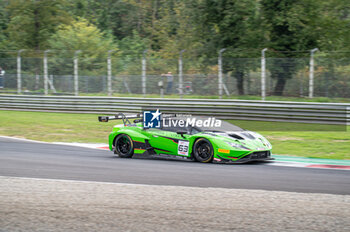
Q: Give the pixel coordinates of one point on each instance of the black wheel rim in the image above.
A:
(203, 150)
(124, 145)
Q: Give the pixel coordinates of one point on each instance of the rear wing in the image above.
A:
(126, 117)
(121, 116)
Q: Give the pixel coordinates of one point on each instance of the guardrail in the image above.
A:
(305, 112)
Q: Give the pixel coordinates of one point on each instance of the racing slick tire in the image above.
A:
(124, 146)
(203, 150)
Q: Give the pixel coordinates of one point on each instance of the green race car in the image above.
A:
(205, 143)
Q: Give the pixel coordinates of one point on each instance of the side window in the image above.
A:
(194, 130)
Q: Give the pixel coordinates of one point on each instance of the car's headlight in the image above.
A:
(262, 139)
(238, 146)
(268, 144)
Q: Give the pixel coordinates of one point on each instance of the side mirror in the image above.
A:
(182, 133)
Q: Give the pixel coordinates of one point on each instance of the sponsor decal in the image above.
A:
(151, 119)
(224, 151)
(155, 119)
(209, 122)
(182, 148)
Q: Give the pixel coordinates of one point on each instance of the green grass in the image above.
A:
(297, 139)
(52, 127)
(306, 140)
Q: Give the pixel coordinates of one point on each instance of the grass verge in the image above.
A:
(306, 140)
(295, 139)
(54, 127)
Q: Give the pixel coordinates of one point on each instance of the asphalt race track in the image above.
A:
(40, 160)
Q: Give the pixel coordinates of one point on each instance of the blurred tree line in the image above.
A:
(165, 27)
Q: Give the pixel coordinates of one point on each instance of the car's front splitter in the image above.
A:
(255, 156)
(227, 161)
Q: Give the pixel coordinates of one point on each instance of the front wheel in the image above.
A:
(203, 150)
(124, 146)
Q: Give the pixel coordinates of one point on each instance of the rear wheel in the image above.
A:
(203, 150)
(124, 146)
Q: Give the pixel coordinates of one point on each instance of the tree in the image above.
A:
(131, 50)
(291, 25)
(3, 26)
(84, 36)
(33, 22)
(230, 24)
(119, 18)
(335, 25)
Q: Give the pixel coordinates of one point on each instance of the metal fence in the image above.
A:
(317, 76)
(320, 113)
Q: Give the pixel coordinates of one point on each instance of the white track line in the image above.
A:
(86, 145)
